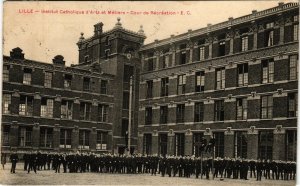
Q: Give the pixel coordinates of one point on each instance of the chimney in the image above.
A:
(58, 60)
(98, 28)
(16, 53)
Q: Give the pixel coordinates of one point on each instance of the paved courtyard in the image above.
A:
(52, 178)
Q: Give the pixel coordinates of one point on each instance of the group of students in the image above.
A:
(182, 166)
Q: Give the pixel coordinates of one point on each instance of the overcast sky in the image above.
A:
(42, 36)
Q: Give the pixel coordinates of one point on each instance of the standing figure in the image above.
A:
(3, 160)
(14, 159)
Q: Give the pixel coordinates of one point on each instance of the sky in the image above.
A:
(42, 36)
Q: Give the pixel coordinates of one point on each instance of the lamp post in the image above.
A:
(129, 117)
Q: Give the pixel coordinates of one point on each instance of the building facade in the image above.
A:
(235, 81)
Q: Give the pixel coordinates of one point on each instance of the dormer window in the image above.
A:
(67, 81)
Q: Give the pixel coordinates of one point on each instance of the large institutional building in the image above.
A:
(236, 81)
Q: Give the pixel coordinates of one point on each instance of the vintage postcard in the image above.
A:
(155, 93)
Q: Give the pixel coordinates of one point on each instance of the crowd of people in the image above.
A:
(171, 166)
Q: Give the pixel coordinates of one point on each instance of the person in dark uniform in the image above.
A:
(268, 169)
(162, 166)
(14, 159)
(26, 161)
(259, 169)
(274, 169)
(32, 162)
(211, 144)
(252, 168)
(3, 160)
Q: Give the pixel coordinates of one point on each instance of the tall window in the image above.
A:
(27, 76)
(199, 112)
(179, 144)
(46, 137)
(124, 127)
(244, 43)
(25, 136)
(128, 72)
(182, 59)
(149, 87)
(291, 145)
(126, 100)
(86, 84)
(26, 105)
(47, 107)
(220, 83)
(268, 71)
(67, 81)
(202, 52)
(242, 109)
(265, 144)
(200, 81)
(5, 76)
(6, 103)
(101, 140)
(102, 113)
(266, 107)
(296, 28)
(164, 87)
(240, 144)
(164, 114)
(147, 145)
(150, 64)
(269, 34)
(65, 138)
(219, 144)
(292, 105)
(84, 136)
(163, 144)
(85, 111)
(48, 80)
(180, 113)
(148, 116)
(5, 135)
(222, 48)
(181, 81)
(165, 60)
(103, 87)
(219, 110)
(66, 109)
(242, 74)
(197, 138)
(293, 67)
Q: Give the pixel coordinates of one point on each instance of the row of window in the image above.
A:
(266, 109)
(267, 68)
(46, 138)
(47, 108)
(48, 80)
(222, 46)
(265, 144)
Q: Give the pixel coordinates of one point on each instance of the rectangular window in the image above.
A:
(200, 81)
(268, 71)
(219, 144)
(266, 107)
(296, 18)
(269, 38)
(165, 60)
(150, 64)
(67, 81)
(181, 81)
(47, 107)
(26, 105)
(164, 87)
(265, 145)
(163, 144)
(46, 137)
(48, 80)
(197, 138)
(148, 116)
(295, 32)
(240, 144)
(270, 25)
(66, 109)
(293, 67)
(179, 144)
(25, 136)
(219, 110)
(147, 145)
(241, 108)
(222, 48)
(86, 84)
(103, 87)
(102, 113)
(164, 114)
(202, 53)
(242, 74)
(85, 111)
(101, 140)
(65, 138)
(5, 135)
(5, 76)
(244, 43)
(128, 72)
(199, 112)
(220, 83)
(149, 87)
(180, 113)
(292, 105)
(126, 100)
(6, 104)
(182, 59)
(124, 127)
(84, 137)
(27, 76)
(291, 145)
